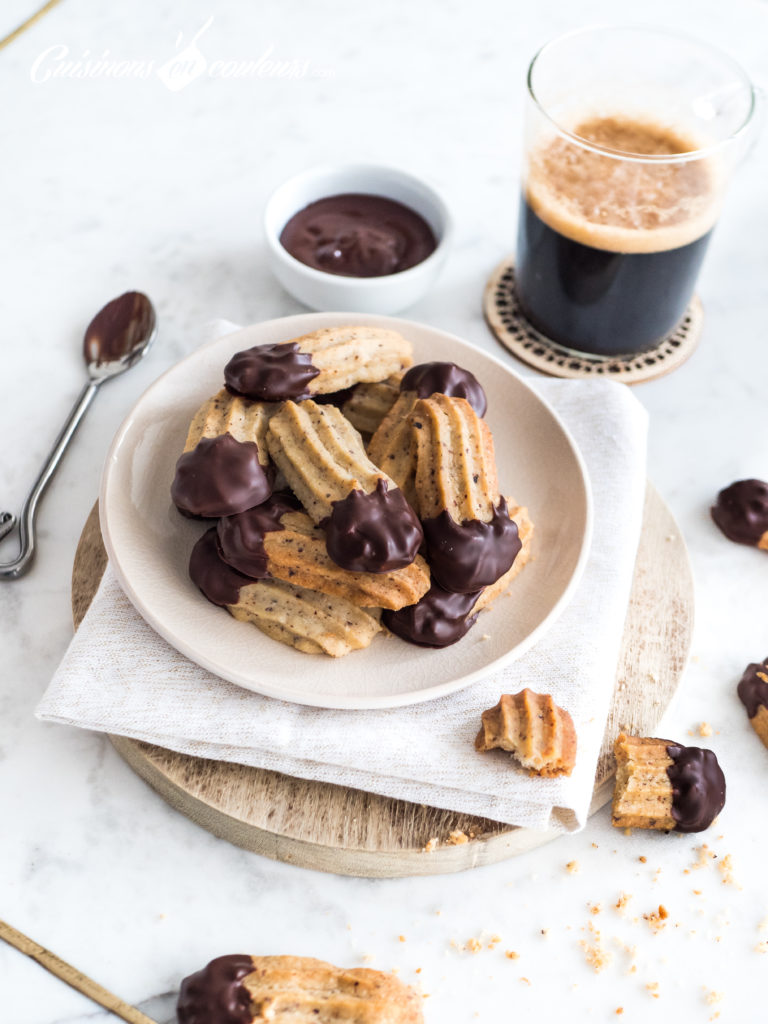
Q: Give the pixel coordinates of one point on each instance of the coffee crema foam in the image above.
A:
(620, 205)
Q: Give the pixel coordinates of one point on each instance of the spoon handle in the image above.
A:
(12, 570)
(74, 978)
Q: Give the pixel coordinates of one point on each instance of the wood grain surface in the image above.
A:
(350, 832)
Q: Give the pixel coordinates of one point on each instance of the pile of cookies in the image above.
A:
(322, 540)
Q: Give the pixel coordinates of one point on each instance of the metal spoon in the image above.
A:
(116, 339)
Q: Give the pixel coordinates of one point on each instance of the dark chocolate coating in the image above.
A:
(437, 620)
(216, 994)
(741, 511)
(270, 373)
(445, 379)
(217, 581)
(358, 235)
(466, 557)
(375, 532)
(752, 690)
(698, 787)
(241, 537)
(219, 477)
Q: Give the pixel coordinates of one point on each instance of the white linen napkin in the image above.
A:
(119, 676)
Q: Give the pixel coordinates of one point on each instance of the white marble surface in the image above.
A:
(115, 184)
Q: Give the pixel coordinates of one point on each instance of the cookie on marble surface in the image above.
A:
(741, 512)
(753, 694)
(665, 786)
(242, 989)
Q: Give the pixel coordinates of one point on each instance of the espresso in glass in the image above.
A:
(610, 245)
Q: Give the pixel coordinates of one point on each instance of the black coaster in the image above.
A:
(506, 320)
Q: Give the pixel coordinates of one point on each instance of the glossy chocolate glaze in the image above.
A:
(741, 511)
(357, 235)
(219, 477)
(270, 373)
(445, 379)
(216, 994)
(375, 532)
(698, 787)
(753, 687)
(469, 556)
(241, 537)
(437, 620)
(216, 580)
(115, 330)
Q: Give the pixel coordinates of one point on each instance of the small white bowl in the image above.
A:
(329, 292)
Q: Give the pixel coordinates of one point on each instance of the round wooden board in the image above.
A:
(350, 832)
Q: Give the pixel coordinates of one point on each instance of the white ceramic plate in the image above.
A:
(148, 542)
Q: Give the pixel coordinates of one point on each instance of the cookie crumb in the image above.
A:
(761, 947)
(401, 938)
(705, 729)
(510, 954)
(595, 908)
(653, 988)
(595, 954)
(457, 838)
(622, 901)
(712, 998)
(619, 1010)
(572, 867)
(705, 856)
(657, 919)
(527, 982)
(725, 867)
(643, 860)
(432, 845)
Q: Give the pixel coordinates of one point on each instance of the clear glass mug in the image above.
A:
(631, 137)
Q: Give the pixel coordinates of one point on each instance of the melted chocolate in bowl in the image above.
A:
(609, 249)
(357, 235)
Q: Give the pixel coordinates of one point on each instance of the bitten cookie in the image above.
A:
(369, 525)
(538, 733)
(666, 786)
(741, 512)
(320, 363)
(242, 989)
(753, 694)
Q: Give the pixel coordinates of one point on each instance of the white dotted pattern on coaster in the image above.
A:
(506, 320)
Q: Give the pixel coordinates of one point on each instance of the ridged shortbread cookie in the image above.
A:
(441, 618)
(536, 731)
(471, 539)
(328, 360)
(225, 464)
(369, 525)
(664, 785)
(277, 541)
(368, 404)
(244, 989)
(309, 621)
(393, 446)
